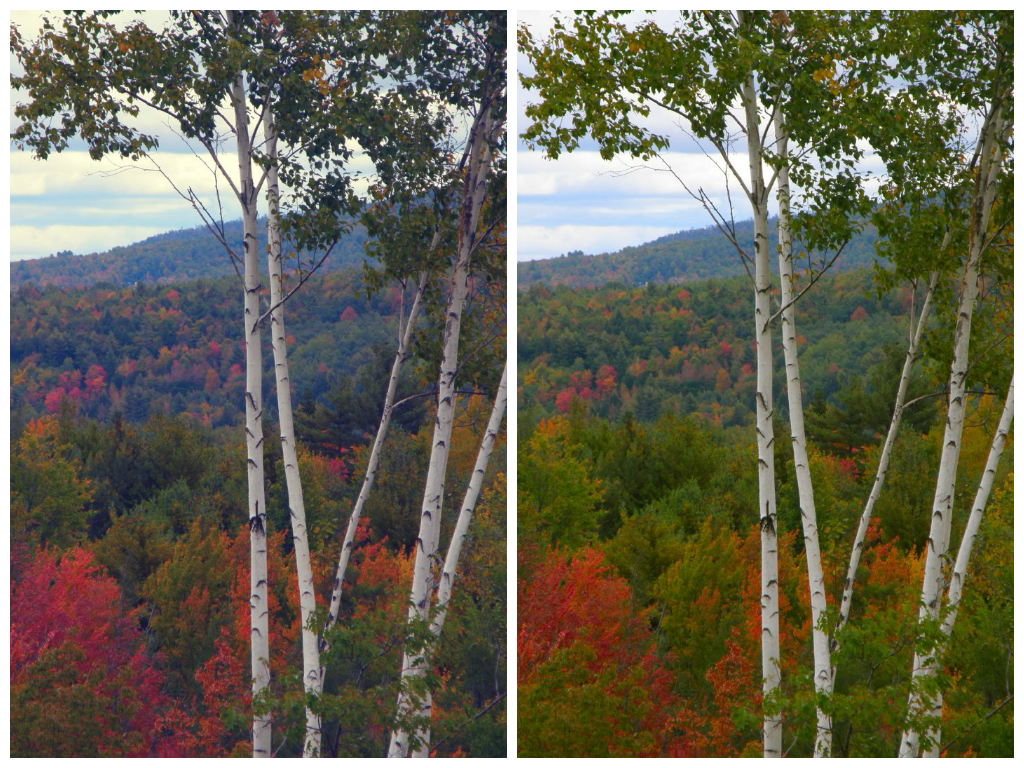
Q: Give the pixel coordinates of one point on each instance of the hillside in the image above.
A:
(172, 257)
(668, 349)
(150, 349)
(683, 257)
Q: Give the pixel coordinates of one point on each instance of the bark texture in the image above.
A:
(293, 479)
(942, 505)
(258, 607)
(451, 560)
(798, 438)
(883, 460)
(414, 660)
(765, 438)
(405, 338)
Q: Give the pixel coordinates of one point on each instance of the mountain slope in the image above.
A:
(679, 258)
(172, 257)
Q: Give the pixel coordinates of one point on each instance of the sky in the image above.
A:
(71, 202)
(582, 202)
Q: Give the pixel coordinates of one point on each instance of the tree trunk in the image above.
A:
(765, 439)
(413, 663)
(942, 505)
(405, 338)
(956, 584)
(451, 561)
(883, 460)
(258, 606)
(805, 488)
(296, 507)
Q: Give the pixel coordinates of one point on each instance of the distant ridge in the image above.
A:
(683, 257)
(171, 257)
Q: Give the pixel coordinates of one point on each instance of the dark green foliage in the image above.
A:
(684, 257)
(173, 257)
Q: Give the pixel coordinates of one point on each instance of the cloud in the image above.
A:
(539, 242)
(29, 242)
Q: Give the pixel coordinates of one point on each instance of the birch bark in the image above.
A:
(798, 438)
(942, 505)
(765, 438)
(451, 560)
(293, 480)
(258, 610)
(413, 664)
(405, 338)
(883, 460)
(956, 583)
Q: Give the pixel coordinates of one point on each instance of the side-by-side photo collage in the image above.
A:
(751, 273)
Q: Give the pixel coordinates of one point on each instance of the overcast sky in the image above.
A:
(71, 202)
(581, 202)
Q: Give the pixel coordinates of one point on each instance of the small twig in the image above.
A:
(471, 720)
(964, 732)
(806, 288)
(262, 318)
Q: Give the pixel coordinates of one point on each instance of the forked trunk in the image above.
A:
(414, 661)
(956, 584)
(925, 665)
(405, 339)
(883, 460)
(451, 560)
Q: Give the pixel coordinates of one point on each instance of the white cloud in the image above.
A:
(539, 242)
(586, 171)
(29, 242)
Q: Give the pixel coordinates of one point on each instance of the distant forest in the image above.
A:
(682, 257)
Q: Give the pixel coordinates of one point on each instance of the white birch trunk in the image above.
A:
(883, 460)
(405, 338)
(451, 560)
(770, 653)
(293, 480)
(258, 606)
(805, 489)
(942, 505)
(956, 583)
(414, 665)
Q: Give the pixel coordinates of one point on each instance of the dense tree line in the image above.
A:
(683, 257)
(674, 349)
(171, 257)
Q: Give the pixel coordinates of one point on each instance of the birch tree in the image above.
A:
(720, 74)
(994, 135)
(205, 71)
(482, 138)
(451, 560)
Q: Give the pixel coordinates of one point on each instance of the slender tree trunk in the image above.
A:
(942, 505)
(883, 460)
(451, 560)
(956, 583)
(296, 507)
(805, 488)
(413, 663)
(258, 606)
(405, 339)
(770, 654)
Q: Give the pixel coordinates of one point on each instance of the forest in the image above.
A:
(770, 514)
(171, 257)
(230, 536)
(682, 257)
